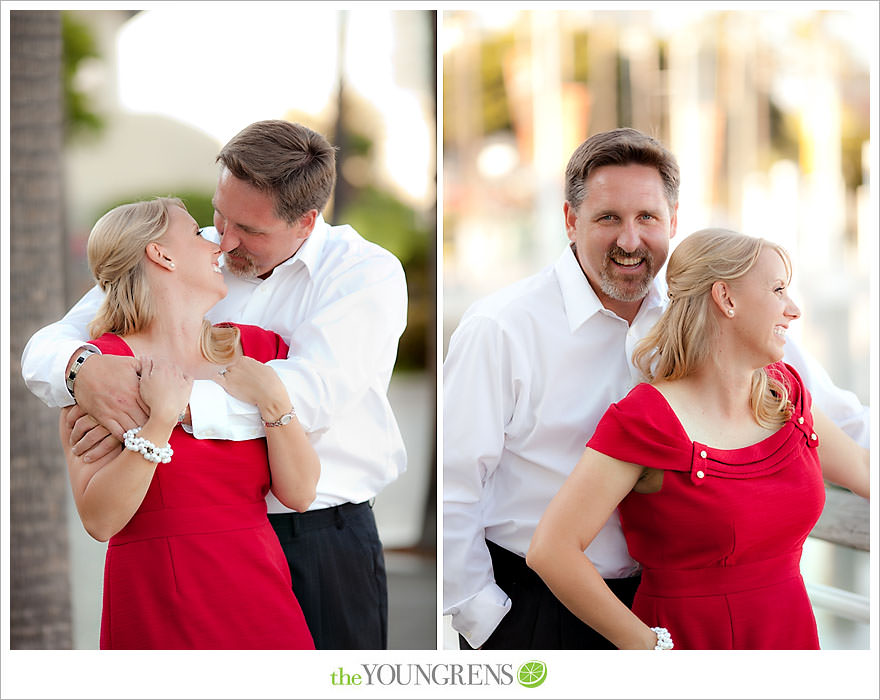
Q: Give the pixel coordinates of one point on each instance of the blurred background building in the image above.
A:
(150, 97)
(768, 113)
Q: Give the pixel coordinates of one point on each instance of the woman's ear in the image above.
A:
(722, 298)
(156, 253)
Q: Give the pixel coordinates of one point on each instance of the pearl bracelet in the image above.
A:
(664, 639)
(147, 449)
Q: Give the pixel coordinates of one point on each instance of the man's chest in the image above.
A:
(563, 385)
(276, 305)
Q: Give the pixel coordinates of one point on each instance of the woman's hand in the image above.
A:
(293, 462)
(165, 388)
(253, 382)
(574, 517)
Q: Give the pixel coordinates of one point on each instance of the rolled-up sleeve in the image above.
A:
(47, 353)
(477, 403)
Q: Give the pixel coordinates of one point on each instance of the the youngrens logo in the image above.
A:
(531, 674)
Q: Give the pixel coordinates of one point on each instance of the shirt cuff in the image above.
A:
(477, 618)
(218, 416)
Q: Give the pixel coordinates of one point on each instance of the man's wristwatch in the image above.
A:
(284, 420)
(83, 355)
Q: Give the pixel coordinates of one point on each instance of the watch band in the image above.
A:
(83, 355)
(284, 420)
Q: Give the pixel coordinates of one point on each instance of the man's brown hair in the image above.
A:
(619, 147)
(293, 164)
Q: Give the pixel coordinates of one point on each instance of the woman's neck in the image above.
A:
(722, 391)
(723, 383)
(171, 337)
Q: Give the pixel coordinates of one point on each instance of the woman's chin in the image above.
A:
(220, 291)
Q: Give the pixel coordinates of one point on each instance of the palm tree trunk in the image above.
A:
(40, 608)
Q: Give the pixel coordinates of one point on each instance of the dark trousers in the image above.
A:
(537, 620)
(338, 572)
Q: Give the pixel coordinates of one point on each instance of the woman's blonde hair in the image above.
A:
(683, 338)
(117, 259)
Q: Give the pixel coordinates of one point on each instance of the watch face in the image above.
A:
(285, 419)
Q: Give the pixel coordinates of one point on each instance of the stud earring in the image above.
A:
(171, 265)
(730, 312)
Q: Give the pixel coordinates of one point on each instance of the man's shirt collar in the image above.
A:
(581, 302)
(309, 252)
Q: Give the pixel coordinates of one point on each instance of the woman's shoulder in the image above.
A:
(641, 396)
(112, 344)
(259, 343)
(645, 409)
(642, 428)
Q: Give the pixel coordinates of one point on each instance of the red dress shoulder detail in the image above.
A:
(256, 342)
(643, 429)
(259, 343)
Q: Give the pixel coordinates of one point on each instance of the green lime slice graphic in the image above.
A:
(531, 674)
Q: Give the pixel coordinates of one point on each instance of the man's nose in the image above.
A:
(228, 241)
(628, 237)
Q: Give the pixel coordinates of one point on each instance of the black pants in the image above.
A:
(338, 573)
(537, 620)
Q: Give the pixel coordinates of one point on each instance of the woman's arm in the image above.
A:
(575, 515)
(844, 462)
(292, 459)
(108, 491)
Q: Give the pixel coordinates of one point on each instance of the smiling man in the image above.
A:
(340, 303)
(529, 372)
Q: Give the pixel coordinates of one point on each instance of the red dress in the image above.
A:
(199, 566)
(720, 543)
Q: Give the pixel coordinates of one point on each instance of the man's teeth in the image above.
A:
(627, 261)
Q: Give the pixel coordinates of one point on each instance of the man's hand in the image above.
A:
(88, 438)
(107, 389)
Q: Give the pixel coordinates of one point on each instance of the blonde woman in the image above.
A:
(192, 561)
(716, 467)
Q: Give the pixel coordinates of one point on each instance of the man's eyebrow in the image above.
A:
(243, 227)
(248, 229)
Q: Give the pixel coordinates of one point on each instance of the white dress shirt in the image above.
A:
(340, 303)
(529, 372)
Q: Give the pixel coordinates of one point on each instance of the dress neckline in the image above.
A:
(773, 437)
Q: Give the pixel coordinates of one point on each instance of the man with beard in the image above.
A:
(529, 372)
(339, 302)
